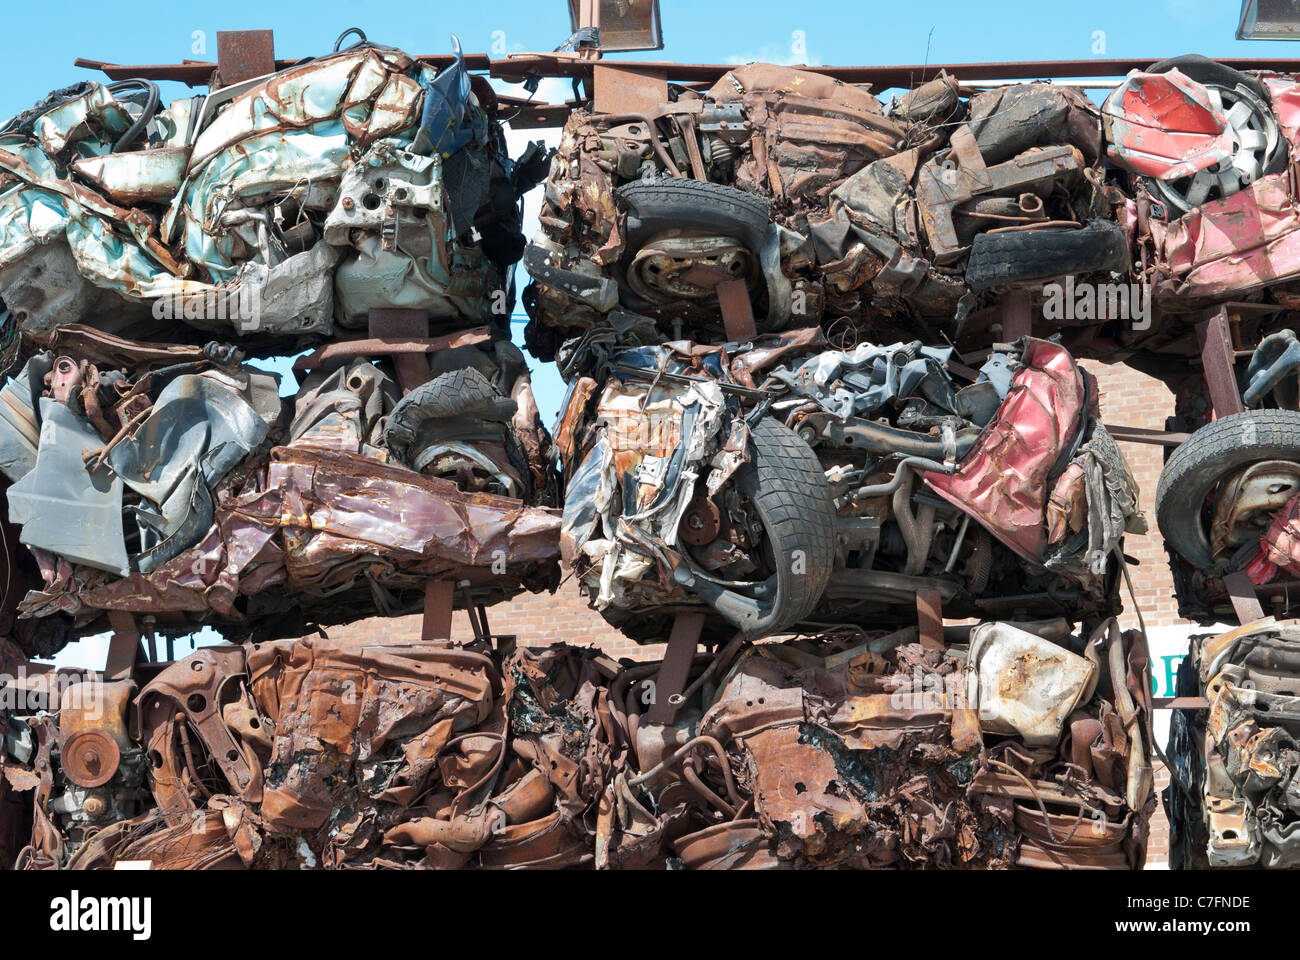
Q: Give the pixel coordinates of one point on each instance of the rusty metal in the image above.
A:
(1215, 341)
(671, 679)
(1162, 438)
(622, 89)
(1245, 602)
(737, 314)
(393, 346)
(519, 760)
(244, 54)
(123, 645)
(410, 325)
(438, 603)
(880, 77)
(310, 751)
(929, 618)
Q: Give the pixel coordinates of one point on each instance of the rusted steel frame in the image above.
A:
(1017, 315)
(620, 90)
(929, 618)
(1217, 357)
(390, 347)
(1143, 435)
(676, 667)
(1179, 703)
(439, 599)
(724, 656)
(123, 646)
(477, 620)
(882, 77)
(1244, 599)
(244, 54)
(394, 324)
(198, 73)
(737, 312)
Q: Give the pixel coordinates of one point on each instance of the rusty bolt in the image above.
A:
(348, 203)
(90, 759)
(94, 806)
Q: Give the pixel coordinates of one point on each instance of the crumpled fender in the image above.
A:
(1004, 482)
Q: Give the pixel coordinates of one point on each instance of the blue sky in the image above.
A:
(40, 42)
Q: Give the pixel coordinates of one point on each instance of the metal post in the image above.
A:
(412, 368)
(1217, 359)
(737, 313)
(439, 598)
(676, 668)
(929, 618)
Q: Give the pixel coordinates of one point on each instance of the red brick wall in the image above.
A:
(1128, 398)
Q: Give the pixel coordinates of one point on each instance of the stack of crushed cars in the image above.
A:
(882, 222)
(794, 489)
(872, 750)
(151, 255)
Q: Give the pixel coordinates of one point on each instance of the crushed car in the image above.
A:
(284, 208)
(782, 482)
(1229, 496)
(1232, 798)
(174, 482)
(874, 750)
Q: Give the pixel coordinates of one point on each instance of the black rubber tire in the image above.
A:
(459, 393)
(787, 485)
(1024, 256)
(654, 206)
(463, 395)
(1204, 70)
(1210, 454)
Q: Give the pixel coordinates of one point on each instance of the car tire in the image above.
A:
(1204, 70)
(463, 397)
(1209, 455)
(654, 206)
(786, 484)
(1024, 256)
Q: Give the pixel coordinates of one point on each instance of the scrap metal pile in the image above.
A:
(823, 393)
(878, 221)
(876, 752)
(322, 207)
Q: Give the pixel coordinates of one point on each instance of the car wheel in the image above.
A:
(1210, 455)
(1023, 256)
(786, 487)
(1262, 149)
(654, 206)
